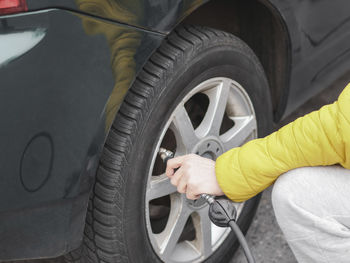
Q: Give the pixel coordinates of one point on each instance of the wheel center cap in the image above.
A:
(209, 148)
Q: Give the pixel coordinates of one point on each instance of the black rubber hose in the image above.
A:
(242, 241)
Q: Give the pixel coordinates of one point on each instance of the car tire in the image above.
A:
(116, 223)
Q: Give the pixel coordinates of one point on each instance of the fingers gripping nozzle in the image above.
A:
(221, 210)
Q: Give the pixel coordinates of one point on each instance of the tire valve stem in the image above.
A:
(165, 154)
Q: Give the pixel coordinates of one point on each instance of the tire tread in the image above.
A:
(103, 234)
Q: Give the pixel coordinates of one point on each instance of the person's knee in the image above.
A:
(311, 196)
(289, 191)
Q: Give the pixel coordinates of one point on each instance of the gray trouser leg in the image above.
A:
(312, 207)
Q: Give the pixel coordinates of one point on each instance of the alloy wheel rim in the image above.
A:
(225, 96)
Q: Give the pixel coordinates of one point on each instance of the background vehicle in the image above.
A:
(91, 88)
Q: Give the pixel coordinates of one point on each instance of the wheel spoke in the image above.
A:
(183, 130)
(178, 216)
(212, 120)
(239, 133)
(159, 186)
(202, 224)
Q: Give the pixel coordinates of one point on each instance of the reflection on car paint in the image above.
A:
(123, 44)
(18, 43)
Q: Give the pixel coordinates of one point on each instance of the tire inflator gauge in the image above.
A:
(222, 212)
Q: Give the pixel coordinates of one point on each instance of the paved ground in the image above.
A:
(264, 236)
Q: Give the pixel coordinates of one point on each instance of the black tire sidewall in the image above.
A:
(220, 61)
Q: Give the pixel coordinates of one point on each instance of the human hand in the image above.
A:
(195, 175)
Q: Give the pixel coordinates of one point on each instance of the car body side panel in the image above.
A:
(318, 32)
(63, 77)
(320, 35)
(158, 15)
(319, 53)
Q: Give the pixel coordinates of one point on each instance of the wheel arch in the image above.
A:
(264, 30)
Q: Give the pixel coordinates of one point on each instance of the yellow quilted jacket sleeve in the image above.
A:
(319, 138)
